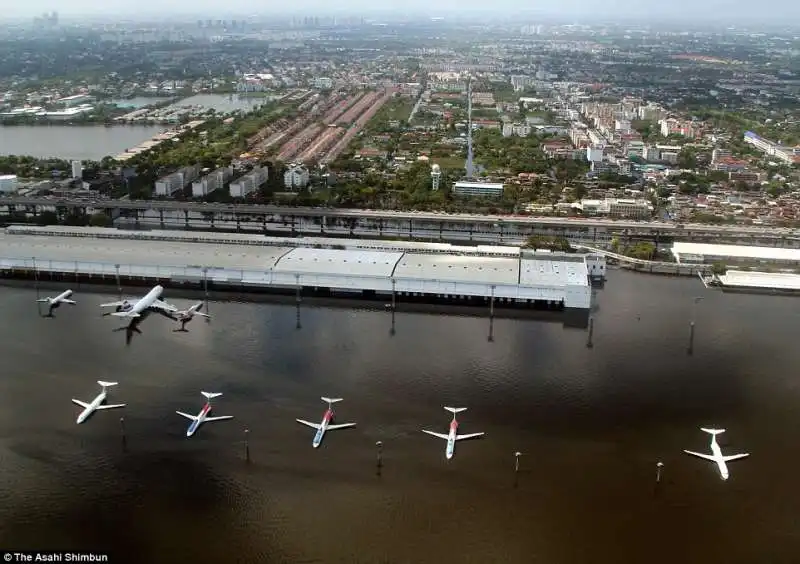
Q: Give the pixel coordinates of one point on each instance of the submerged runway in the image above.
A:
(591, 422)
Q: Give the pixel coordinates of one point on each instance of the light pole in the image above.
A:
(696, 300)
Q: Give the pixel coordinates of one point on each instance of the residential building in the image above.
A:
(77, 170)
(296, 176)
(249, 183)
(76, 100)
(518, 129)
(323, 83)
(168, 185)
(8, 183)
(436, 177)
(481, 189)
(617, 207)
(673, 126)
(594, 153)
(210, 182)
(719, 154)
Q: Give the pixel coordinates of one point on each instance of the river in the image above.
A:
(591, 422)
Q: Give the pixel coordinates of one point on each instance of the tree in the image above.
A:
(687, 159)
(100, 219)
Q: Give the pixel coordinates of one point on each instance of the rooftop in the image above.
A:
(735, 251)
(777, 281)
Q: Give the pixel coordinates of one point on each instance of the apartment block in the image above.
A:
(210, 182)
(249, 183)
(168, 185)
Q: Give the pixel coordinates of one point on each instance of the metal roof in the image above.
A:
(128, 251)
(539, 272)
(343, 262)
(735, 251)
(454, 268)
(775, 280)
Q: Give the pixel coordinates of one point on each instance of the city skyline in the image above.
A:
(620, 10)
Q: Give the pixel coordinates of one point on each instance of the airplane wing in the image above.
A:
(80, 403)
(70, 302)
(706, 456)
(158, 304)
(468, 436)
(219, 418)
(440, 435)
(113, 304)
(340, 426)
(309, 423)
(125, 314)
(186, 415)
(735, 457)
(43, 300)
(202, 314)
(111, 406)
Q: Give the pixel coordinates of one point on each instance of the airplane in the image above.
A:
(62, 298)
(187, 315)
(150, 302)
(326, 420)
(97, 403)
(203, 417)
(453, 436)
(716, 455)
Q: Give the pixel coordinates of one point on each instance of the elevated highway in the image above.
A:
(426, 226)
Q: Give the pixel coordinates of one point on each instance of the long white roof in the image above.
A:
(774, 280)
(735, 251)
(453, 268)
(444, 268)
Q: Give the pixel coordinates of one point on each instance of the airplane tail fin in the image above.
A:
(211, 395)
(332, 400)
(712, 431)
(107, 384)
(455, 410)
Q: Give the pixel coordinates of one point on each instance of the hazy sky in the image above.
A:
(778, 10)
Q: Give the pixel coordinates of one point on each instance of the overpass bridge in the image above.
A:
(423, 226)
(652, 266)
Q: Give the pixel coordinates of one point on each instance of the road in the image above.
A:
(253, 209)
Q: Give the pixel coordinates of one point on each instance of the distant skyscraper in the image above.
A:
(468, 165)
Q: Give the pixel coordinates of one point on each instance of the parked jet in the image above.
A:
(97, 403)
(186, 316)
(326, 422)
(203, 417)
(62, 298)
(453, 436)
(150, 302)
(716, 455)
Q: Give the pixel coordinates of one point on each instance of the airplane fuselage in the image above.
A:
(147, 301)
(326, 420)
(55, 302)
(84, 415)
(717, 453)
(451, 439)
(199, 421)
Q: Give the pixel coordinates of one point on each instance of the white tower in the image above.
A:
(436, 177)
(77, 170)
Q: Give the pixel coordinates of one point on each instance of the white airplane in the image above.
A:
(453, 435)
(150, 302)
(187, 315)
(62, 298)
(326, 422)
(716, 455)
(97, 403)
(203, 417)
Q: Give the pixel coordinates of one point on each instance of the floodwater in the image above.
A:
(81, 142)
(591, 422)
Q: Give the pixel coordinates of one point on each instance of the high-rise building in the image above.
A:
(77, 170)
(436, 177)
